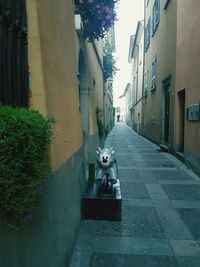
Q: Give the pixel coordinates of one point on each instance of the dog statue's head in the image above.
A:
(105, 157)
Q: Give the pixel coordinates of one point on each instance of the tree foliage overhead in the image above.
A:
(109, 61)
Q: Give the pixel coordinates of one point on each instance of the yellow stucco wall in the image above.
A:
(37, 98)
(53, 66)
(92, 114)
(95, 83)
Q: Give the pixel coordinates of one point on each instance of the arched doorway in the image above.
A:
(84, 104)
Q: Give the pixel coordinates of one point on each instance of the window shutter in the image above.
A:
(152, 78)
(147, 37)
(153, 20)
(154, 63)
(145, 83)
(155, 15)
(157, 11)
(149, 30)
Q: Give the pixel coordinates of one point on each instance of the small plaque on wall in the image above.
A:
(193, 112)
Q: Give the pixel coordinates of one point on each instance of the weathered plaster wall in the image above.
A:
(163, 46)
(187, 73)
(53, 64)
(96, 77)
(37, 98)
(48, 239)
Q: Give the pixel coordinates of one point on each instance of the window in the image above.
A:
(13, 53)
(145, 83)
(147, 34)
(141, 53)
(155, 16)
(166, 3)
(153, 80)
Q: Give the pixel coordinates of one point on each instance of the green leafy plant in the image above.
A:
(24, 139)
(98, 16)
(100, 125)
(109, 62)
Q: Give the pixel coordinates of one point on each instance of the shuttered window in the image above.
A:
(145, 83)
(148, 34)
(155, 15)
(154, 70)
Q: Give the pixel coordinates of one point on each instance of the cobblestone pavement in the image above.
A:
(160, 211)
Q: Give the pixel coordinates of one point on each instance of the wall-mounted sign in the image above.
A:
(193, 112)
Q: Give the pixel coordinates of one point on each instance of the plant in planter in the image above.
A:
(98, 16)
(24, 139)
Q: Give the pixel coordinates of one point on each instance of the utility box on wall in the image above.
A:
(193, 112)
(78, 23)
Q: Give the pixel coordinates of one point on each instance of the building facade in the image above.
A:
(136, 55)
(127, 97)
(109, 44)
(108, 106)
(159, 72)
(120, 110)
(187, 93)
(60, 75)
(170, 95)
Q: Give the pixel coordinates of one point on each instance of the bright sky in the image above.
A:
(129, 13)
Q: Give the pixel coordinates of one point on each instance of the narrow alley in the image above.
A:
(78, 74)
(160, 211)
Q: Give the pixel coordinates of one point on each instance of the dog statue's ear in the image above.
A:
(98, 151)
(112, 150)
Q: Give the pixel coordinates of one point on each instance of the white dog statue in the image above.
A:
(107, 167)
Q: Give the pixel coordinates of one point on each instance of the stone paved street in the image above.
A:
(160, 224)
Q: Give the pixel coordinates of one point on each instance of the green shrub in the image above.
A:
(24, 139)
